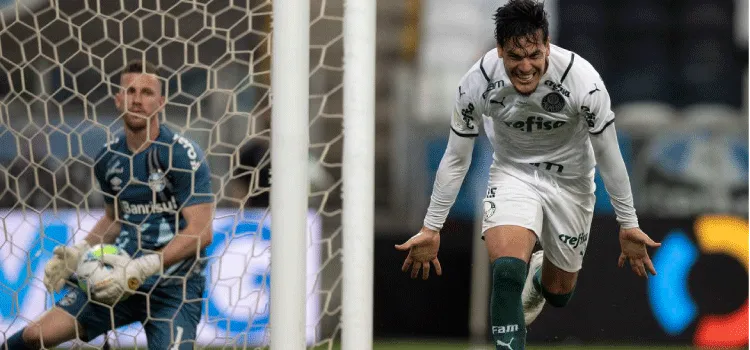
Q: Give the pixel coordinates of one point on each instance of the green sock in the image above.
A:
(556, 300)
(508, 328)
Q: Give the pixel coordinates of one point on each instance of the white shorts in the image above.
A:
(558, 211)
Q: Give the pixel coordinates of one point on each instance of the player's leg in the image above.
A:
(73, 317)
(509, 248)
(172, 322)
(555, 284)
(565, 236)
(513, 215)
(56, 326)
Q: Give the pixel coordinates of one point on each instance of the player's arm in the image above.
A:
(196, 235)
(614, 175)
(106, 230)
(65, 258)
(448, 180)
(423, 247)
(466, 122)
(597, 111)
(465, 125)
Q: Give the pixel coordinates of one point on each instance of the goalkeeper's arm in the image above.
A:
(65, 258)
(196, 235)
(188, 242)
(106, 230)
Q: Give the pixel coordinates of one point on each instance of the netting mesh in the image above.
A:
(60, 64)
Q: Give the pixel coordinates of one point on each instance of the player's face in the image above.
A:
(525, 64)
(139, 99)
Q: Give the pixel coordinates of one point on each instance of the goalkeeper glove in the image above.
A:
(62, 265)
(127, 275)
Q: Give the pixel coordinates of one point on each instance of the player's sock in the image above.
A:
(15, 342)
(508, 326)
(557, 300)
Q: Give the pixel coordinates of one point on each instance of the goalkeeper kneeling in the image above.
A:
(159, 210)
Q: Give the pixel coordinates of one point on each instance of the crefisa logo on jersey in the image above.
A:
(157, 182)
(534, 123)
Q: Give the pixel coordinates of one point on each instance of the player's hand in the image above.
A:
(423, 248)
(633, 243)
(127, 276)
(62, 265)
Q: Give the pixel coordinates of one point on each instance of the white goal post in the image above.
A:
(289, 160)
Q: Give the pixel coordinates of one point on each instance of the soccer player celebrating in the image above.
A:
(159, 209)
(547, 114)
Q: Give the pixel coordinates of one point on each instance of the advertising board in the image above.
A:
(236, 298)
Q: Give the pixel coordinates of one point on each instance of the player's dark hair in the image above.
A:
(520, 19)
(139, 66)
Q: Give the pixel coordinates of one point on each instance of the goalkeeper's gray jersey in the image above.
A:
(549, 128)
(148, 190)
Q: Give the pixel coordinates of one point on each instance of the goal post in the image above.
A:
(358, 173)
(290, 142)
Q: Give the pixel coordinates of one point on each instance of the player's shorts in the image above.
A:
(167, 318)
(558, 211)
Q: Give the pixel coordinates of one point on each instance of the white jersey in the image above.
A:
(563, 129)
(548, 128)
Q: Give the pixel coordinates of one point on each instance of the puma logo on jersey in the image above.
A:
(501, 102)
(595, 90)
(533, 123)
(493, 86)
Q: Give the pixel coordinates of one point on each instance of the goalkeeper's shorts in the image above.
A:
(557, 212)
(169, 319)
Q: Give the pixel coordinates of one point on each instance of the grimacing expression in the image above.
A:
(526, 64)
(139, 99)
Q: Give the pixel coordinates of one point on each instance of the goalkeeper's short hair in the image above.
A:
(140, 66)
(145, 67)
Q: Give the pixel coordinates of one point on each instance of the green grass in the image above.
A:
(430, 345)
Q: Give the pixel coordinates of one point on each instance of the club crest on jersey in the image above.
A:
(489, 210)
(116, 183)
(157, 182)
(553, 102)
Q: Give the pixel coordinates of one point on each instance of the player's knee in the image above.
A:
(509, 272)
(557, 297)
(31, 336)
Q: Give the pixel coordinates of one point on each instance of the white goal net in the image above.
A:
(59, 67)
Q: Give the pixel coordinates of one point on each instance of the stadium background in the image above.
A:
(677, 74)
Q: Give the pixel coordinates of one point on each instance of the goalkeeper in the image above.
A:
(159, 209)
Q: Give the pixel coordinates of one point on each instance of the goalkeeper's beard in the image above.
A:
(137, 123)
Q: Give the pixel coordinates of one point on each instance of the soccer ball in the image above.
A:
(91, 270)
